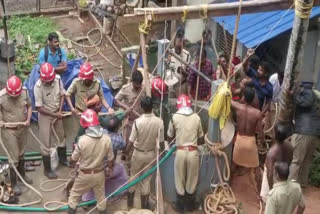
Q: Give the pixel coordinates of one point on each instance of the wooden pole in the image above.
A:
(193, 11)
(293, 69)
(6, 37)
(145, 64)
(198, 77)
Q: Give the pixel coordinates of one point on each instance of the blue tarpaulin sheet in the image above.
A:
(67, 78)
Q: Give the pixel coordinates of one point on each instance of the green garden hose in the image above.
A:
(88, 203)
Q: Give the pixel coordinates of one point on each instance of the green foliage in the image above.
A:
(314, 174)
(33, 33)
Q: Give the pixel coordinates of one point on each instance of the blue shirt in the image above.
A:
(52, 59)
(263, 91)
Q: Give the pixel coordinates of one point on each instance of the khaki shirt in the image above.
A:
(145, 132)
(14, 109)
(81, 92)
(91, 152)
(284, 198)
(185, 55)
(186, 128)
(48, 96)
(128, 95)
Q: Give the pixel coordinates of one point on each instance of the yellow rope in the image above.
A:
(204, 11)
(146, 26)
(302, 9)
(184, 16)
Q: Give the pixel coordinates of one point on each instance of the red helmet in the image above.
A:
(183, 101)
(47, 73)
(89, 118)
(158, 86)
(14, 86)
(86, 72)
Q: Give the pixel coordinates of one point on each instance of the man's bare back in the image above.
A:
(248, 118)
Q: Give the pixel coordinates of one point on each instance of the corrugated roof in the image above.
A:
(254, 27)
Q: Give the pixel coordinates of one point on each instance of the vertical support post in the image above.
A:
(145, 64)
(6, 37)
(173, 26)
(162, 46)
(294, 61)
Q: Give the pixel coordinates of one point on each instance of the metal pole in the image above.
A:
(6, 36)
(190, 66)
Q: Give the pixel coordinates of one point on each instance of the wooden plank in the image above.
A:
(193, 12)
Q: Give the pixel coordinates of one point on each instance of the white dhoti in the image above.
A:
(264, 186)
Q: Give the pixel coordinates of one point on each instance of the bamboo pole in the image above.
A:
(193, 12)
(198, 77)
(145, 64)
(293, 69)
(6, 37)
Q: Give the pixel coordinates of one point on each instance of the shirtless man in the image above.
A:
(245, 152)
(281, 151)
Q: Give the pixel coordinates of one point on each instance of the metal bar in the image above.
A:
(190, 66)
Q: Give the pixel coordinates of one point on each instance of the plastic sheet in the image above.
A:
(67, 78)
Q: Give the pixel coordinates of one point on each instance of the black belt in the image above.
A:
(139, 150)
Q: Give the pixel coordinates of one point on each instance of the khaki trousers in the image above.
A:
(186, 171)
(138, 162)
(14, 141)
(83, 183)
(46, 135)
(303, 149)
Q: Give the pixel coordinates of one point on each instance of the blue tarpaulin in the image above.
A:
(67, 78)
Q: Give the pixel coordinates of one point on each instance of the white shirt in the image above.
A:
(274, 80)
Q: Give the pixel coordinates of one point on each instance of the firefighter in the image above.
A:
(15, 106)
(93, 148)
(49, 97)
(186, 126)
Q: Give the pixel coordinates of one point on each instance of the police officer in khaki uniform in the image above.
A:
(15, 106)
(126, 97)
(186, 127)
(92, 150)
(146, 132)
(49, 97)
(84, 87)
(285, 195)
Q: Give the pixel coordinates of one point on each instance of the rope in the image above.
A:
(222, 199)
(184, 15)
(275, 119)
(302, 9)
(146, 26)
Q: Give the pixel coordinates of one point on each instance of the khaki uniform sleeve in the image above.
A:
(77, 151)
(109, 155)
(29, 103)
(100, 93)
(171, 130)
(120, 95)
(270, 206)
(38, 96)
(62, 90)
(133, 135)
(72, 88)
(200, 130)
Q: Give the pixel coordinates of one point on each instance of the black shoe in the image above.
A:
(190, 203)
(130, 200)
(178, 206)
(62, 154)
(13, 179)
(145, 202)
(47, 168)
(71, 211)
(22, 172)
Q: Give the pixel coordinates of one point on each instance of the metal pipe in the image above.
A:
(190, 66)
